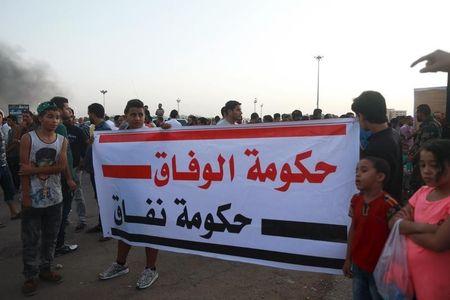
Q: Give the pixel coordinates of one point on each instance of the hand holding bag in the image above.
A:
(391, 273)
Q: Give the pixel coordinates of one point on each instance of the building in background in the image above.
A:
(392, 113)
(435, 97)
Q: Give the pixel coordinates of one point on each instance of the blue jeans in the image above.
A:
(7, 184)
(364, 287)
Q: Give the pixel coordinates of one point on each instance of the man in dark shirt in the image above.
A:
(96, 114)
(12, 149)
(370, 107)
(429, 129)
(68, 185)
(78, 142)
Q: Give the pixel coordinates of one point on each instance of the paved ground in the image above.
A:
(181, 276)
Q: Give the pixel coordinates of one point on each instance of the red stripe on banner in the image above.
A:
(238, 133)
(127, 172)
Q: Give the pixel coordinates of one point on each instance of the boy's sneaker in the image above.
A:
(29, 287)
(147, 278)
(114, 270)
(65, 249)
(50, 276)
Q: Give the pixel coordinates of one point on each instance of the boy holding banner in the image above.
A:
(135, 117)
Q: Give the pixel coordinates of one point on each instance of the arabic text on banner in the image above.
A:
(274, 195)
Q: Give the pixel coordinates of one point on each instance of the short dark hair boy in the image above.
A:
(372, 106)
(133, 103)
(97, 109)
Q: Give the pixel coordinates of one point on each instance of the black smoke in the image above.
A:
(22, 81)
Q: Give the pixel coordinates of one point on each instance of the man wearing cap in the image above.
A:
(43, 158)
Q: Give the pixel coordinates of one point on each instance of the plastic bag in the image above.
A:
(391, 273)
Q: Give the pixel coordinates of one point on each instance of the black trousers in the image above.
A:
(95, 194)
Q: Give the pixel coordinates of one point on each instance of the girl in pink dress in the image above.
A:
(429, 208)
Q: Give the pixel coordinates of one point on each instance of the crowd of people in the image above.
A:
(404, 173)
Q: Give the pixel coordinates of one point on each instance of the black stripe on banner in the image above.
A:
(296, 259)
(305, 230)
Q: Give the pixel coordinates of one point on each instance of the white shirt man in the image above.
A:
(173, 120)
(174, 123)
(233, 114)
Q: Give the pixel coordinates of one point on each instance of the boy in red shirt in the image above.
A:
(370, 211)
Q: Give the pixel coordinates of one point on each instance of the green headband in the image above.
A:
(46, 106)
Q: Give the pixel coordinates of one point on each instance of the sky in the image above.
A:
(206, 52)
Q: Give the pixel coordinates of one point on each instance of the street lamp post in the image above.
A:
(318, 57)
(262, 104)
(254, 104)
(178, 105)
(104, 92)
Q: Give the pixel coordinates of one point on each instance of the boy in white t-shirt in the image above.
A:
(135, 117)
(43, 157)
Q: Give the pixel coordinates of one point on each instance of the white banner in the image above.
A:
(274, 195)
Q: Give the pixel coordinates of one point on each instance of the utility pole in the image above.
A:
(104, 92)
(318, 57)
(178, 105)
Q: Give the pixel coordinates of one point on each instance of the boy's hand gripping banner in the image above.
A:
(274, 195)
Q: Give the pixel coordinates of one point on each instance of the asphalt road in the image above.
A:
(181, 276)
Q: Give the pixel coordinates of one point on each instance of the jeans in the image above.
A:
(14, 167)
(39, 230)
(78, 198)
(7, 184)
(364, 287)
(66, 207)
